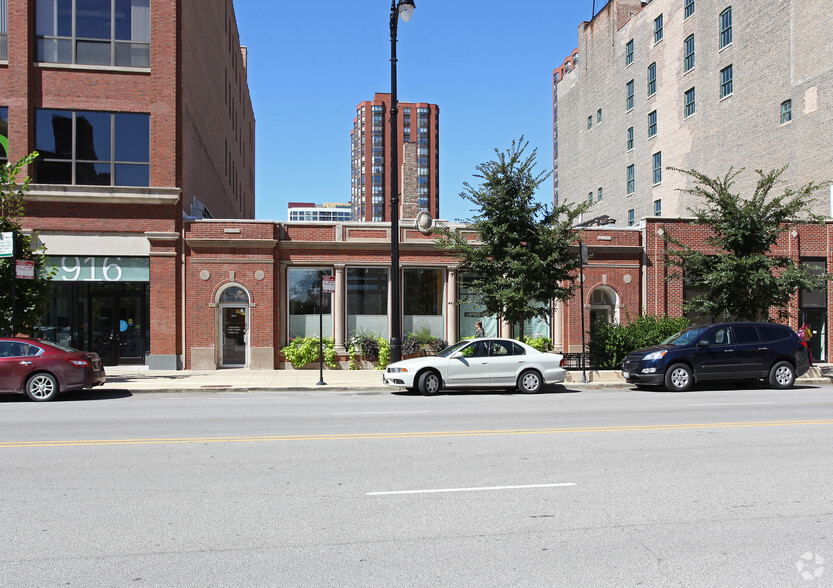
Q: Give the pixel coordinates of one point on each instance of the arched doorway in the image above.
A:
(604, 307)
(233, 305)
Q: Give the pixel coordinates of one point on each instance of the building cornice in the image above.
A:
(102, 194)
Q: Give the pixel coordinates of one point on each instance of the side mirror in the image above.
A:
(456, 355)
(702, 343)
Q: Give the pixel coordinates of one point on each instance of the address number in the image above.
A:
(107, 271)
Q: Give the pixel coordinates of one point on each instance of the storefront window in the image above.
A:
(471, 312)
(537, 326)
(423, 301)
(367, 301)
(305, 303)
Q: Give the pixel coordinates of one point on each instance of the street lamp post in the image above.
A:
(405, 8)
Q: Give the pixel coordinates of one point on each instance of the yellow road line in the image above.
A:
(179, 440)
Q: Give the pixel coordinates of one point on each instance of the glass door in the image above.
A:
(131, 343)
(103, 331)
(234, 329)
(117, 328)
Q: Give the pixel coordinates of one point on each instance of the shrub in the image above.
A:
(611, 343)
(411, 345)
(303, 350)
(539, 343)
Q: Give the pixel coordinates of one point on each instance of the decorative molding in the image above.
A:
(102, 194)
(241, 243)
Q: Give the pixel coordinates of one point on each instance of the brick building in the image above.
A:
(692, 84)
(417, 152)
(142, 117)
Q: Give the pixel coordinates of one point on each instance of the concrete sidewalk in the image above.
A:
(140, 379)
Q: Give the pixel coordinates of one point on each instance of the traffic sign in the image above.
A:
(6, 244)
(328, 283)
(25, 269)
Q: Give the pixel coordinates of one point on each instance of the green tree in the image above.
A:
(31, 296)
(741, 279)
(525, 254)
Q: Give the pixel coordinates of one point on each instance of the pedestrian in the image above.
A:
(478, 330)
(805, 334)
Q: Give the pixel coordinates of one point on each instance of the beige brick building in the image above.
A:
(700, 84)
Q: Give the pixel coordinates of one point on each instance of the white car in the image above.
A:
(478, 363)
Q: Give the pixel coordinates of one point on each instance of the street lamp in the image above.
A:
(405, 9)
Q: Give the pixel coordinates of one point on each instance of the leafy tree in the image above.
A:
(31, 296)
(525, 255)
(741, 279)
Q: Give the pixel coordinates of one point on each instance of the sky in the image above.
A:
(487, 64)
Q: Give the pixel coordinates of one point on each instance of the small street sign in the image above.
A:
(6, 244)
(25, 269)
(328, 283)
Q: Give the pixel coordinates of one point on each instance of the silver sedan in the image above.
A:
(478, 363)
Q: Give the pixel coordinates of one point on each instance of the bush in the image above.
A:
(303, 350)
(539, 343)
(411, 345)
(611, 343)
(370, 347)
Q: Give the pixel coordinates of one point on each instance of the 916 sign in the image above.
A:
(99, 269)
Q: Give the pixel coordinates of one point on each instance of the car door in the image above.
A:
(471, 369)
(714, 354)
(750, 352)
(15, 366)
(504, 362)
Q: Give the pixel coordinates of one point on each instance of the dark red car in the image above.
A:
(42, 370)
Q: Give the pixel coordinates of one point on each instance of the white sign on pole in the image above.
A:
(25, 269)
(6, 244)
(328, 283)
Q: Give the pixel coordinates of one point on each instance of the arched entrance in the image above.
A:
(604, 307)
(233, 305)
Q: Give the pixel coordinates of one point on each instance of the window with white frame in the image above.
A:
(305, 302)
(4, 30)
(630, 217)
(367, 300)
(629, 53)
(726, 81)
(657, 207)
(629, 95)
(631, 180)
(652, 79)
(688, 8)
(658, 29)
(630, 138)
(688, 54)
(725, 27)
(688, 102)
(786, 111)
(652, 123)
(657, 167)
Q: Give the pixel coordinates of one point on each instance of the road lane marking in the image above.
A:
(438, 490)
(730, 403)
(430, 434)
(386, 412)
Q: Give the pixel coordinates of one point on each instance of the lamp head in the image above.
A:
(406, 9)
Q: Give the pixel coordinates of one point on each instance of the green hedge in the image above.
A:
(611, 343)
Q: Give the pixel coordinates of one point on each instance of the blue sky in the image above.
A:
(487, 64)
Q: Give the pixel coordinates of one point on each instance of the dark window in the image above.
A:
(629, 95)
(629, 53)
(652, 79)
(771, 333)
(688, 8)
(726, 81)
(631, 180)
(652, 123)
(106, 32)
(786, 111)
(367, 291)
(630, 217)
(689, 102)
(657, 167)
(719, 336)
(688, 60)
(745, 334)
(658, 29)
(725, 27)
(630, 138)
(92, 148)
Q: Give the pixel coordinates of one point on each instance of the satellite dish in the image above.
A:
(424, 223)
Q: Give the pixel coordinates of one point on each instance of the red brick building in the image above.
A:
(142, 117)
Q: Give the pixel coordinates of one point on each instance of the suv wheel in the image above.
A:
(678, 378)
(782, 375)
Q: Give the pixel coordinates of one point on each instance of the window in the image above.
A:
(599, 116)
(657, 167)
(631, 180)
(589, 122)
(630, 138)
(367, 299)
(725, 27)
(629, 95)
(689, 102)
(658, 29)
(599, 195)
(688, 60)
(652, 79)
(305, 304)
(657, 207)
(92, 148)
(93, 32)
(726, 81)
(590, 197)
(688, 8)
(629, 53)
(786, 112)
(4, 134)
(4, 30)
(652, 123)
(422, 300)
(630, 217)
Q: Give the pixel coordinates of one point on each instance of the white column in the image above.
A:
(453, 309)
(558, 326)
(339, 310)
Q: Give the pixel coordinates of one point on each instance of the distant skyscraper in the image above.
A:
(371, 155)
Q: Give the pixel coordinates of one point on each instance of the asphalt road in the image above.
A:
(597, 487)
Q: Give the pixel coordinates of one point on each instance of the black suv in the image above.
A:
(725, 351)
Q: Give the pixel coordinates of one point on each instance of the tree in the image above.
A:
(741, 278)
(525, 255)
(31, 296)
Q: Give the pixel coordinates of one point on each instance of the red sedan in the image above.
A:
(42, 370)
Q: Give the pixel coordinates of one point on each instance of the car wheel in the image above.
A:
(782, 375)
(429, 383)
(42, 387)
(530, 382)
(678, 378)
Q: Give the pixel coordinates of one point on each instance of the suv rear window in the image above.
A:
(771, 333)
(745, 334)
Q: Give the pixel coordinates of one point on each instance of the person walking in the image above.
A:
(478, 330)
(805, 334)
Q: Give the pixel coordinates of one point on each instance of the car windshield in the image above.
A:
(456, 347)
(685, 337)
